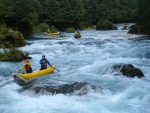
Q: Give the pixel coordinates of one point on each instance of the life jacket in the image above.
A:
(44, 62)
(48, 31)
(27, 67)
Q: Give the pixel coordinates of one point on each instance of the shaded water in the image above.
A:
(86, 59)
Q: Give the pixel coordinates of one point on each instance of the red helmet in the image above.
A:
(26, 60)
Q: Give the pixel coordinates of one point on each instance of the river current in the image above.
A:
(89, 59)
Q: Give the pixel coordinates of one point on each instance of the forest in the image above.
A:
(25, 15)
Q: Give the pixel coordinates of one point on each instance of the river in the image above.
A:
(85, 59)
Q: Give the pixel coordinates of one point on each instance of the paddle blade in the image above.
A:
(58, 70)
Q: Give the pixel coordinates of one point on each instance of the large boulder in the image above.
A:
(126, 70)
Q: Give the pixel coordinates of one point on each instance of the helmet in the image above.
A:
(43, 55)
(26, 60)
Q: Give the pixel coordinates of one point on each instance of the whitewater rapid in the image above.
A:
(86, 59)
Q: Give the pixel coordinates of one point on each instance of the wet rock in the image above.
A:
(126, 70)
(30, 43)
(76, 88)
(65, 42)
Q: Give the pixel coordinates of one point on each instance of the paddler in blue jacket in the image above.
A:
(44, 62)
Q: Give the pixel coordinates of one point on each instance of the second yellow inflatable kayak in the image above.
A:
(51, 34)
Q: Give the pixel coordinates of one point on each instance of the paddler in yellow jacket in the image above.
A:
(78, 32)
(48, 31)
(26, 66)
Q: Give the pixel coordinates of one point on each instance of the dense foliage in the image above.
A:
(112, 10)
(11, 38)
(23, 15)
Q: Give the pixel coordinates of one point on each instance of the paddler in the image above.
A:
(44, 62)
(48, 31)
(26, 66)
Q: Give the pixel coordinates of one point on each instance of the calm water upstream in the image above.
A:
(86, 59)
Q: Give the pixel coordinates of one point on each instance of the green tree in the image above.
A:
(1, 10)
(90, 10)
(116, 10)
(143, 23)
(21, 14)
(144, 11)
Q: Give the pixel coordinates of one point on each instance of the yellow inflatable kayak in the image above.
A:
(51, 34)
(28, 76)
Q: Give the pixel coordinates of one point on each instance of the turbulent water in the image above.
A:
(86, 59)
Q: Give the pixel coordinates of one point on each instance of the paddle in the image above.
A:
(55, 68)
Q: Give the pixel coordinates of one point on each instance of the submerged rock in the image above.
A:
(126, 70)
(76, 88)
(65, 42)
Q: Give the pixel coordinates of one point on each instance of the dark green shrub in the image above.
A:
(41, 27)
(70, 30)
(105, 25)
(11, 38)
(12, 55)
(134, 29)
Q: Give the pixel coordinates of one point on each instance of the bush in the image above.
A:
(41, 27)
(70, 30)
(105, 25)
(140, 29)
(2, 27)
(12, 55)
(10, 38)
(134, 29)
(83, 25)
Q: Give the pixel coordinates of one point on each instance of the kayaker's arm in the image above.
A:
(40, 61)
(22, 68)
(48, 63)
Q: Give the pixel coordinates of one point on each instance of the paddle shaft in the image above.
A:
(54, 68)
